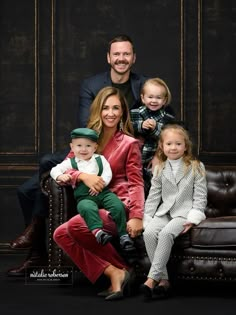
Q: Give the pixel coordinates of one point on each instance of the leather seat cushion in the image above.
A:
(215, 232)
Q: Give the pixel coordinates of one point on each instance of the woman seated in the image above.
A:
(109, 116)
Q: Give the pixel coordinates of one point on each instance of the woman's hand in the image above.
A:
(93, 192)
(94, 182)
(134, 227)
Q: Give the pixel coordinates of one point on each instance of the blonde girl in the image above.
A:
(176, 201)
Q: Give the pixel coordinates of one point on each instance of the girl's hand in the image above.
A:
(187, 227)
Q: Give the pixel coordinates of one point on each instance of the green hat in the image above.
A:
(84, 133)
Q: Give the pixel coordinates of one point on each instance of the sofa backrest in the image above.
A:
(221, 183)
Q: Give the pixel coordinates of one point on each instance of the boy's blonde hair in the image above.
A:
(158, 81)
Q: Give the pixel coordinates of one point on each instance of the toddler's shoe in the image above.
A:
(126, 243)
(103, 237)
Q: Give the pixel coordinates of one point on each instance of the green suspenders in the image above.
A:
(98, 160)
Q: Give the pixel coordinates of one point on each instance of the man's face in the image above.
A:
(121, 57)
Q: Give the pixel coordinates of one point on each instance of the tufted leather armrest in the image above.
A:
(218, 230)
(62, 206)
(221, 183)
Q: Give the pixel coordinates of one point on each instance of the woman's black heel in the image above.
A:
(124, 290)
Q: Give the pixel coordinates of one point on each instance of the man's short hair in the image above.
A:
(120, 38)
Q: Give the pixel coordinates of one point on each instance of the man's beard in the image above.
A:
(120, 71)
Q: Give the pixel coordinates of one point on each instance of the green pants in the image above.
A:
(88, 206)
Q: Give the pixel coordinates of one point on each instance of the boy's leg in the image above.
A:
(116, 208)
(88, 209)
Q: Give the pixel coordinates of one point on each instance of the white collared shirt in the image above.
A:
(89, 167)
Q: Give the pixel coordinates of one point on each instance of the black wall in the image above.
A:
(49, 46)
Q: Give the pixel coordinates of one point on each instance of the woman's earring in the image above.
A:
(121, 125)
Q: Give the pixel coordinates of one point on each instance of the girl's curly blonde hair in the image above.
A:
(188, 157)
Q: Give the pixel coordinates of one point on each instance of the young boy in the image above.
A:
(84, 144)
(148, 120)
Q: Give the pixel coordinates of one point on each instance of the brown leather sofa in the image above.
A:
(207, 252)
